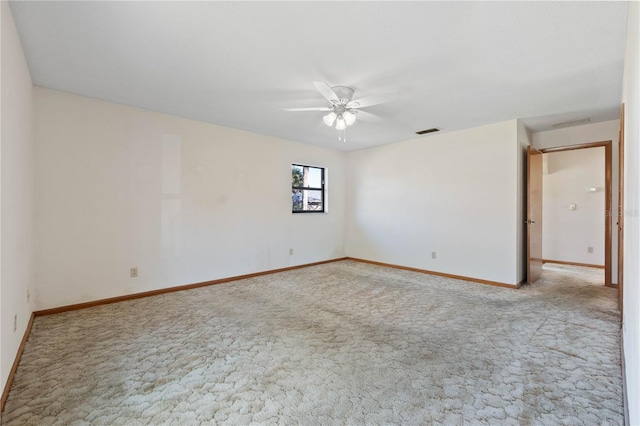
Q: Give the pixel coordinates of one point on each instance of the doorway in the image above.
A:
(587, 189)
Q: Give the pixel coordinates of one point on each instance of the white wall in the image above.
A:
(631, 277)
(566, 233)
(16, 193)
(596, 132)
(183, 201)
(453, 193)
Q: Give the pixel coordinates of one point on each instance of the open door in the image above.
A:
(534, 215)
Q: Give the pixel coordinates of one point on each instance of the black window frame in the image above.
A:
(310, 188)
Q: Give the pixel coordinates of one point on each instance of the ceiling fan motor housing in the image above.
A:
(344, 93)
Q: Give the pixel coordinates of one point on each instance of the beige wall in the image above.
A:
(631, 279)
(454, 193)
(16, 194)
(183, 201)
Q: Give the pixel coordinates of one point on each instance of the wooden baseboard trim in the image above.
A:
(562, 262)
(117, 299)
(440, 274)
(14, 367)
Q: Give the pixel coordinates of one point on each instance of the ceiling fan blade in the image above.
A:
(326, 91)
(307, 109)
(372, 100)
(367, 116)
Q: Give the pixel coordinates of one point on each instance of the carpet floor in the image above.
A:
(341, 343)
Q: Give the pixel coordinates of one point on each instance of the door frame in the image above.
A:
(607, 196)
(620, 217)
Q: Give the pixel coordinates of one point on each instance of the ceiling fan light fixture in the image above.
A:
(349, 117)
(341, 124)
(329, 118)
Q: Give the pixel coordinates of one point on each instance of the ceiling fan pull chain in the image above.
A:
(342, 135)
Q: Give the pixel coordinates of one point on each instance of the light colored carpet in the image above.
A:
(342, 343)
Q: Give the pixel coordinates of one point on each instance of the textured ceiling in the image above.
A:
(455, 64)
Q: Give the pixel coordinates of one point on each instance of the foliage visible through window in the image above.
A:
(307, 189)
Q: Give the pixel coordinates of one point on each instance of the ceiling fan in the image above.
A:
(343, 111)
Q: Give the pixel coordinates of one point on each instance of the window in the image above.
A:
(307, 189)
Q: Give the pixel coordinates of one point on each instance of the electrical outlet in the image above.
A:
(133, 272)
(15, 322)
(433, 254)
(589, 249)
(290, 252)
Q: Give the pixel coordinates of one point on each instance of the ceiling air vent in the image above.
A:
(424, 132)
(571, 123)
